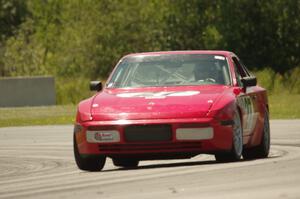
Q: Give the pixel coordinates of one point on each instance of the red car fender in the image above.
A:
(84, 111)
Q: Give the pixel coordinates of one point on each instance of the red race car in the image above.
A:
(171, 105)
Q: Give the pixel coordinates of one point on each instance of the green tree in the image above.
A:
(12, 14)
(192, 25)
(263, 33)
(83, 39)
(73, 37)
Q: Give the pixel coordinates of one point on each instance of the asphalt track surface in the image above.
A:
(37, 162)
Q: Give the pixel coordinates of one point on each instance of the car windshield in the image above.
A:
(170, 70)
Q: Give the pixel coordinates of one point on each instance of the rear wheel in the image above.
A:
(126, 163)
(262, 150)
(237, 143)
(88, 162)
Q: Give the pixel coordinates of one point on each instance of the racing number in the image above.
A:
(249, 122)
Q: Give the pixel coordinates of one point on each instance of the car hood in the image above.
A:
(154, 103)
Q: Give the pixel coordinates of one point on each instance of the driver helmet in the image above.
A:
(204, 71)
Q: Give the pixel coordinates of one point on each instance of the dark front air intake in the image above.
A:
(148, 133)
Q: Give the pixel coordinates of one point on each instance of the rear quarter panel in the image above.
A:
(261, 106)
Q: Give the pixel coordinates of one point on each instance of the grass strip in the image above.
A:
(43, 115)
(284, 106)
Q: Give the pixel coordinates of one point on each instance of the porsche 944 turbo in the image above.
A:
(171, 105)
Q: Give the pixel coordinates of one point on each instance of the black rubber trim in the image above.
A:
(227, 122)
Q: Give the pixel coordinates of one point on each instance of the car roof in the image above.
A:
(218, 52)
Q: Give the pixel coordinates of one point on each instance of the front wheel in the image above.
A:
(126, 163)
(88, 162)
(262, 150)
(237, 143)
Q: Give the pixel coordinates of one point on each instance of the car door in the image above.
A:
(247, 100)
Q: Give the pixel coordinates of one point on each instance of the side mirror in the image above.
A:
(249, 81)
(95, 86)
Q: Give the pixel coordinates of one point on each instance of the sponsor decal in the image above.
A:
(159, 95)
(219, 57)
(103, 136)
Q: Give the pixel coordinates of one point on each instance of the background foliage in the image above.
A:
(80, 40)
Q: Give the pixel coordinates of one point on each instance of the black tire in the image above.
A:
(88, 162)
(126, 163)
(235, 153)
(262, 150)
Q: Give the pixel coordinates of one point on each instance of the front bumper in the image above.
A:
(221, 139)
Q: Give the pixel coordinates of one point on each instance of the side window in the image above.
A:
(245, 68)
(239, 73)
(240, 68)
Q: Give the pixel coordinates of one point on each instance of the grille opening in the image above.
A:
(148, 133)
